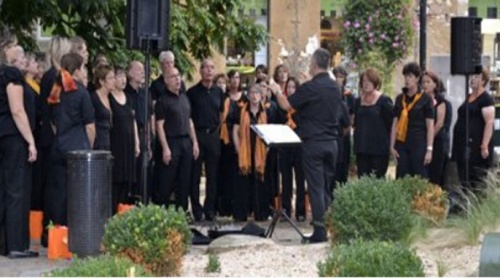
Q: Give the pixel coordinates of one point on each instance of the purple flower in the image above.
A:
(371, 41)
(370, 34)
(347, 24)
(382, 36)
(367, 27)
(400, 16)
(395, 44)
(356, 24)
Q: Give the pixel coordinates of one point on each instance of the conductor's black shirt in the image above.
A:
(175, 110)
(317, 105)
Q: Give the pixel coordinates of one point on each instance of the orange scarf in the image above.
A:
(290, 121)
(33, 84)
(224, 132)
(65, 82)
(402, 127)
(245, 156)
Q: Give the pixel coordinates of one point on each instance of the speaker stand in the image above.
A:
(277, 215)
(467, 132)
(146, 46)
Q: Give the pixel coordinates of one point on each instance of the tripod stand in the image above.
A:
(278, 136)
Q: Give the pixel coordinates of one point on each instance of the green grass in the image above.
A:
(442, 268)
(213, 265)
(481, 211)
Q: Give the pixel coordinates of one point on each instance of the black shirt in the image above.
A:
(11, 75)
(137, 98)
(70, 117)
(48, 79)
(444, 133)
(476, 129)
(102, 123)
(344, 118)
(157, 88)
(317, 104)
(206, 106)
(372, 127)
(175, 110)
(417, 126)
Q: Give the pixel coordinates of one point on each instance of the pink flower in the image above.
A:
(370, 34)
(395, 44)
(382, 36)
(360, 50)
(400, 16)
(367, 27)
(356, 24)
(371, 41)
(347, 24)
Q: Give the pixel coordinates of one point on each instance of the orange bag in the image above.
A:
(122, 208)
(58, 243)
(36, 226)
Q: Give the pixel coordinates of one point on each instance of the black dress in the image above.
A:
(441, 148)
(122, 137)
(372, 129)
(477, 164)
(102, 124)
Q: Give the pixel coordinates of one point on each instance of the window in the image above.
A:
(333, 13)
(472, 11)
(322, 13)
(491, 12)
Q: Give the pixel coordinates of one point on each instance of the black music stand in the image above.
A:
(278, 136)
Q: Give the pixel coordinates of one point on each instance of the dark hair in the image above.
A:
(259, 80)
(372, 76)
(294, 80)
(339, 70)
(100, 73)
(262, 68)
(7, 40)
(412, 68)
(322, 58)
(231, 74)
(71, 62)
(120, 70)
(434, 77)
(276, 70)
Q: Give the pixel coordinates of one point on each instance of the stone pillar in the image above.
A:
(292, 21)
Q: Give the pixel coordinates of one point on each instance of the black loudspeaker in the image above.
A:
(466, 45)
(148, 20)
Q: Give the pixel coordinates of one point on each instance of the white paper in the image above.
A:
(276, 134)
(497, 124)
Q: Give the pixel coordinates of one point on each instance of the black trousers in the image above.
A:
(372, 164)
(251, 196)
(120, 194)
(15, 194)
(39, 178)
(436, 168)
(343, 160)
(291, 163)
(411, 159)
(319, 160)
(55, 199)
(175, 178)
(227, 176)
(271, 179)
(209, 144)
(477, 172)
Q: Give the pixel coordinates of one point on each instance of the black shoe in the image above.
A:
(198, 217)
(318, 236)
(210, 217)
(20, 255)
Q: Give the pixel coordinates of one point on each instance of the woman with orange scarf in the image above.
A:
(250, 194)
(412, 133)
(228, 170)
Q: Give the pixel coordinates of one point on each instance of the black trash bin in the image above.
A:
(89, 199)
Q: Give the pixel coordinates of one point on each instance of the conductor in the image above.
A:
(316, 103)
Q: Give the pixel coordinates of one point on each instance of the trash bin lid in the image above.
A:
(89, 154)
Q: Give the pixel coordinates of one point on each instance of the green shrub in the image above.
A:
(371, 259)
(213, 264)
(370, 208)
(102, 266)
(152, 236)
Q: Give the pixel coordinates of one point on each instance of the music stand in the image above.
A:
(278, 136)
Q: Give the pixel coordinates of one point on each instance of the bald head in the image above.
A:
(136, 73)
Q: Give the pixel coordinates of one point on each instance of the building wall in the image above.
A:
(483, 5)
(282, 15)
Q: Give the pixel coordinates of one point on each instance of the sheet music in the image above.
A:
(276, 134)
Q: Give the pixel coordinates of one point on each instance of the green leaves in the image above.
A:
(371, 259)
(195, 26)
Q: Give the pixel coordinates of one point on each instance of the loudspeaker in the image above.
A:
(148, 20)
(466, 45)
